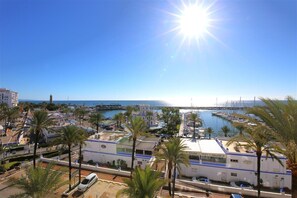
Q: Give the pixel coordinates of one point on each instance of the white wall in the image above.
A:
(224, 174)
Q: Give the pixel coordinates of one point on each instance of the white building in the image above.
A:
(150, 120)
(8, 97)
(213, 159)
(114, 148)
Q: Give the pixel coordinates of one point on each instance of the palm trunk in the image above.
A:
(133, 152)
(169, 178)
(294, 183)
(258, 172)
(194, 133)
(209, 136)
(35, 149)
(79, 167)
(97, 127)
(69, 159)
(174, 175)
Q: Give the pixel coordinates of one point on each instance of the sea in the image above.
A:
(216, 123)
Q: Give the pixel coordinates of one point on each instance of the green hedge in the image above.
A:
(11, 165)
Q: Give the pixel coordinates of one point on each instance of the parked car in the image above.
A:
(201, 179)
(241, 184)
(87, 182)
(234, 195)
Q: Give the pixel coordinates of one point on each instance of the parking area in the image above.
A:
(101, 189)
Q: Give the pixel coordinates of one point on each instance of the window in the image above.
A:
(139, 152)
(103, 146)
(234, 174)
(148, 152)
(234, 160)
(194, 157)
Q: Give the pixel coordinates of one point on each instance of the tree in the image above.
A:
(281, 118)
(209, 131)
(80, 113)
(173, 154)
(119, 118)
(95, 120)
(40, 121)
(239, 127)
(149, 116)
(137, 127)
(69, 135)
(128, 113)
(39, 182)
(257, 138)
(180, 157)
(9, 115)
(194, 118)
(172, 119)
(82, 137)
(145, 184)
(225, 129)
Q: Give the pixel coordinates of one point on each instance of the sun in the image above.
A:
(194, 22)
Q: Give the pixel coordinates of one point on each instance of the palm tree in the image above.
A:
(69, 136)
(81, 141)
(80, 113)
(225, 129)
(209, 131)
(9, 115)
(95, 120)
(40, 121)
(173, 154)
(180, 157)
(137, 127)
(281, 118)
(39, 182)
(194, 118)
(149, 116)
(119, 118)
(128, 113)
(145, 184)
(239, 127)
(258, 139)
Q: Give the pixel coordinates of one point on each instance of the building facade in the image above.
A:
(9, 97)
(213, 159)
(115, 148)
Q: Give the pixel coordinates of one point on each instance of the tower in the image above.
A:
(51, 99)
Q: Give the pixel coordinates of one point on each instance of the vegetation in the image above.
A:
(82, 137)
(173, 154)
(149, 116)
(171, 117)
(129, 110)
(137, 127)
(280, 118)
(256, 138)
(39, 182)
(80, 113)
(95, 120)
(209, 131)
(145, 184)
(40, 121)
(8, 114)
(225, 129)
(194, 118)
(69, 136)
(119, 118)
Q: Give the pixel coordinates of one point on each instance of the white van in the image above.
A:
(87, 182)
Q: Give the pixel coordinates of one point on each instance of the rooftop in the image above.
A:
(203, 146)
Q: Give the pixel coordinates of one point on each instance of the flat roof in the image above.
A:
(203, 146)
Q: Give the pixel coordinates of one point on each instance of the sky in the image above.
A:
(133, 49)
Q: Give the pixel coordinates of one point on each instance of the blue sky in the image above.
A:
(122, 50)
